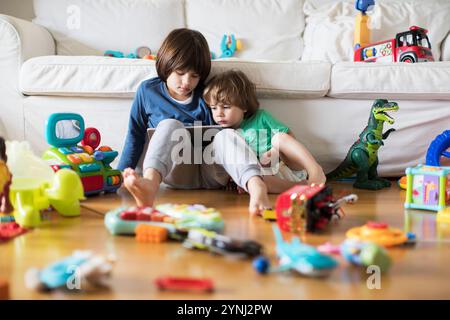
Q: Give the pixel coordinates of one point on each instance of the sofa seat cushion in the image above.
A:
(94, 76)
(417, 81)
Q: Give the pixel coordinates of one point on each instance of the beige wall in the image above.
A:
(17, 8)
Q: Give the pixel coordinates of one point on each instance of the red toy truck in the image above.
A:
(410, 46)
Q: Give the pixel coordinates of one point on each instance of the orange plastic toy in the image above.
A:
(151, 234)
(379, 233)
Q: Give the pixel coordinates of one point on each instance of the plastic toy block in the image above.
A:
(10, 230)
(185, 284)
(270, 215)
(151, 234)
(4, 289)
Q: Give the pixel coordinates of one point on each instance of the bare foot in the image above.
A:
(143, 189)
(258, 196)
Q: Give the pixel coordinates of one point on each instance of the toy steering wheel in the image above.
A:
(437, 149)
(91, 138)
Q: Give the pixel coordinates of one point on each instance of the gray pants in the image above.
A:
(171, 153)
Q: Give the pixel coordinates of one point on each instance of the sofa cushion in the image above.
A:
(329, 26)
(268, 29)
(390, 80)
(111, 77)
(89, 27)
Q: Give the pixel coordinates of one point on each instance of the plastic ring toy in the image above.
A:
(378, 233)
(437, 149)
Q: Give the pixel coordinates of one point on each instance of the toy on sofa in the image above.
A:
(296, 256)
(229, 46)
(36, 187)
(427, 187)
(410, 46)
(177, 219)
(83, 270)
(308, 208)
(362, 158)
(5, 180)
(140, 53)
(362, 32)
(64, 131)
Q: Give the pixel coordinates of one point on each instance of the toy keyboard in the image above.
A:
(175, 218)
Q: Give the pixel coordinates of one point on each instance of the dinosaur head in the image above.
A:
(380, 107)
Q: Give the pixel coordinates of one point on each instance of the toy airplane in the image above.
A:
(300, 257)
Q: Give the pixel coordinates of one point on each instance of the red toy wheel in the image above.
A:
(91, 138)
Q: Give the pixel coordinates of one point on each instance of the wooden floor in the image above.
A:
(418, 272)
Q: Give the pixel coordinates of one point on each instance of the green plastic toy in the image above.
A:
(362, 158)
(36, 187)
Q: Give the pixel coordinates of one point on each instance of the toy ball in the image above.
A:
(402, 182)
(261, 264)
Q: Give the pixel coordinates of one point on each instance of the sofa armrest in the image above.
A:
(20, 40)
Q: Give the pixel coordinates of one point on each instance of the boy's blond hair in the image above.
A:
(232, 87)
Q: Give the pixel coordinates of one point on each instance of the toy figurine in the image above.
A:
(5, 180)
(63, 132)
(362, 158)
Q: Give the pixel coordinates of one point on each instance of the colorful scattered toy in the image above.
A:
(443, 216)
(184, 284)
(308, 208)
(64, 131)
(427, 188)
(360, 253)
(298, 257)
(379, 233)
(5, 180)
(83, 270)
(438, 149)
(151, 234)
(35, 187)
(362, 158)
(9, 230)
(4, 289)
(229, 46)
(177, 219)
(216, 243)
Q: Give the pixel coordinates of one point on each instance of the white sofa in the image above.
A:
(298, 52)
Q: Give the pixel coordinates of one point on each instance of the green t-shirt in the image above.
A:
(259, 129)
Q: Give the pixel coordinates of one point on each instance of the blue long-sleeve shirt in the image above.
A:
(152, 104)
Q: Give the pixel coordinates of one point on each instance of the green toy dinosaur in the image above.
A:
(362, 158)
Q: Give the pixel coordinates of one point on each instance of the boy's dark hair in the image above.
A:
(232, 87)
(184, 49)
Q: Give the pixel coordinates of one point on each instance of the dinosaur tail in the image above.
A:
(344, 170)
